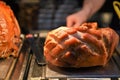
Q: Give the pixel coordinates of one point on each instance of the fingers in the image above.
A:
(74, 21)
(70, 21)
(77, 24)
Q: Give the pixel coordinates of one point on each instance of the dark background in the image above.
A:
(26, 13)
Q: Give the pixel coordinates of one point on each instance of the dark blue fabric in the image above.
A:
(115, 23)
(53, 13)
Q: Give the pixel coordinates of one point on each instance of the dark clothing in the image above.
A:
(115, 23)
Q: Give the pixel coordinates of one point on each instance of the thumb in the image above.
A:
(70, 21)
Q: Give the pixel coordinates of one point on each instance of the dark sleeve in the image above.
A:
(115, 23)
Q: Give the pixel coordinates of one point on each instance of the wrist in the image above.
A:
(85, 14)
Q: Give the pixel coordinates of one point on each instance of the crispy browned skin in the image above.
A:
(9, 32)
(83, 46)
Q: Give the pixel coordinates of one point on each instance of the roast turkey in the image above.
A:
(83, 46)
(9, 32)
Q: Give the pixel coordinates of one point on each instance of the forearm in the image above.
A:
(89, 8)
(92, 6)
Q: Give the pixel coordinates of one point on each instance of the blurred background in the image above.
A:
(43, 15)
(35, 15)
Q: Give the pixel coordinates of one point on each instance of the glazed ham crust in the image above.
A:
(9, 32)
(83, 46)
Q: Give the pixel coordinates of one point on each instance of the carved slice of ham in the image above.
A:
(9, 32)
(83, 46)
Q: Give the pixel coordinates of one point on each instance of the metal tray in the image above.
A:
(7, 64)
(111, 70)
(19, 67)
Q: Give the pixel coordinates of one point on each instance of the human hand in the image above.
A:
(76, 19)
